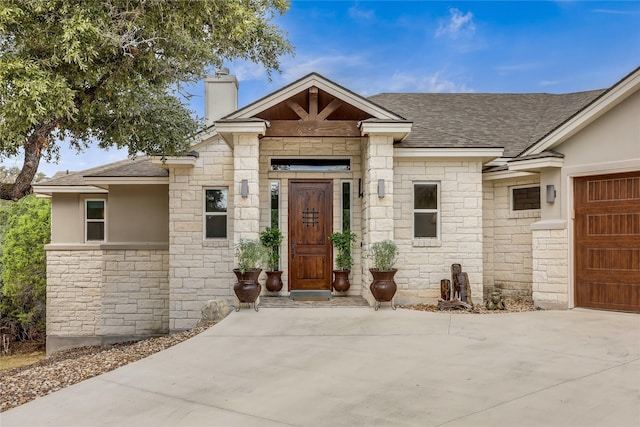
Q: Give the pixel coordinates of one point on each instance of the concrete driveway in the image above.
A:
(357, 367)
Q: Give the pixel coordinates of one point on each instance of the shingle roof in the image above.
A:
(138, 167)
(472, 120)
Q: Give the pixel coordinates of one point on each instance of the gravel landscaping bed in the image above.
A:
(65, 368)
(512, 306)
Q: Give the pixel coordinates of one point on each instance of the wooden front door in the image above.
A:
(607, 241)
(310, 218)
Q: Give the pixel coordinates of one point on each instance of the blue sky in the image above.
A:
(439, 46)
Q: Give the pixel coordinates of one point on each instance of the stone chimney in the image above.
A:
(221, 95)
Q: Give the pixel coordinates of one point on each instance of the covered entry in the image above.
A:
(607, 242)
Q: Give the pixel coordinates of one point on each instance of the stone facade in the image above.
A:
(508, 264)
(105, 295)
(424, 262)
(200, 269)
(550, 266)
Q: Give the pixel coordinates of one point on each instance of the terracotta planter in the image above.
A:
(341, 280)
(383, 288)
(274, 281)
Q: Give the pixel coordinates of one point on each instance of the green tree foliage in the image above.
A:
(24, 230)
(111, 71)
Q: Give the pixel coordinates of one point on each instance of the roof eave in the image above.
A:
(598, 107)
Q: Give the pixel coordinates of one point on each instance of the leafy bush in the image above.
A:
(251, 255)
(25, 229)
(271, 238)
(384, 255)
(342, 241)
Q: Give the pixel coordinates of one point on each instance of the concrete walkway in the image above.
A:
(357, 367)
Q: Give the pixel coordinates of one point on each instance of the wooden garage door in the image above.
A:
(607, 241)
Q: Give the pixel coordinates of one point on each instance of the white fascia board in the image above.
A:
(603, 104)
(399, 131)
(181, 162)
(534, 165)
(323, 84)
(48, 190)
(255, 127)
(493, 176)
(485, 154)
(126, 180)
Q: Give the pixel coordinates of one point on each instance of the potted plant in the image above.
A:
(383, 287)
(271, 238)
(342, 241)
(251, 256)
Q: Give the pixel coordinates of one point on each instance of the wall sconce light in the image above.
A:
(360, 193)
(381, 188)
(244, 188)
(551, 193)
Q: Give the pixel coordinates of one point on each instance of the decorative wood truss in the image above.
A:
(324, 116)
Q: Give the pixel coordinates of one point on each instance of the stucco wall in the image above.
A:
(67, 216)
(424, 262)
(138, 213)
(507, 240)
(135, 214)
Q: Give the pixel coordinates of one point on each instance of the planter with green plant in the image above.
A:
(271, 239)
(251, 257)
(383, 288)
(342, 241)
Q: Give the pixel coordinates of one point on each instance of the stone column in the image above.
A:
(246, 211)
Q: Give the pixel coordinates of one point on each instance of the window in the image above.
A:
(346, 205)
(525, 198)
(426, 212)
(311, 165)
(275, 204)
(94, 220)
(215, 213)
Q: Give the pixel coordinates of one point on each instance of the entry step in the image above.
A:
(310, 295)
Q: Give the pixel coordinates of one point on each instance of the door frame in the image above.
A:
(329, 225)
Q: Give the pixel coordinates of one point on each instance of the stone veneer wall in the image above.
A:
(508, 265)
(96, 297)
(200, 269)
(424, 262)
(550, 267)
(135, 292)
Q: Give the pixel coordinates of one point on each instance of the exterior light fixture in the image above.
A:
(244, 188)
(381, 188)
(551, 193)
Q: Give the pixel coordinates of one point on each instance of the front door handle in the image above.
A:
(293, 250)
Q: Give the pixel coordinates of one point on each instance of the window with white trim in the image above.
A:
(215, 213)
(94, 219)
(426, 210)
(525, 198)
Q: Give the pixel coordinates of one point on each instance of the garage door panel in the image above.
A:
(612, 296)
(607, 241)
(613, 224)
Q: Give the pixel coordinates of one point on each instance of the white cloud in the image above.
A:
(515, 67)
(549, 82)
(616, 12)
(457, 24)
(358, 13)
(401, 81)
